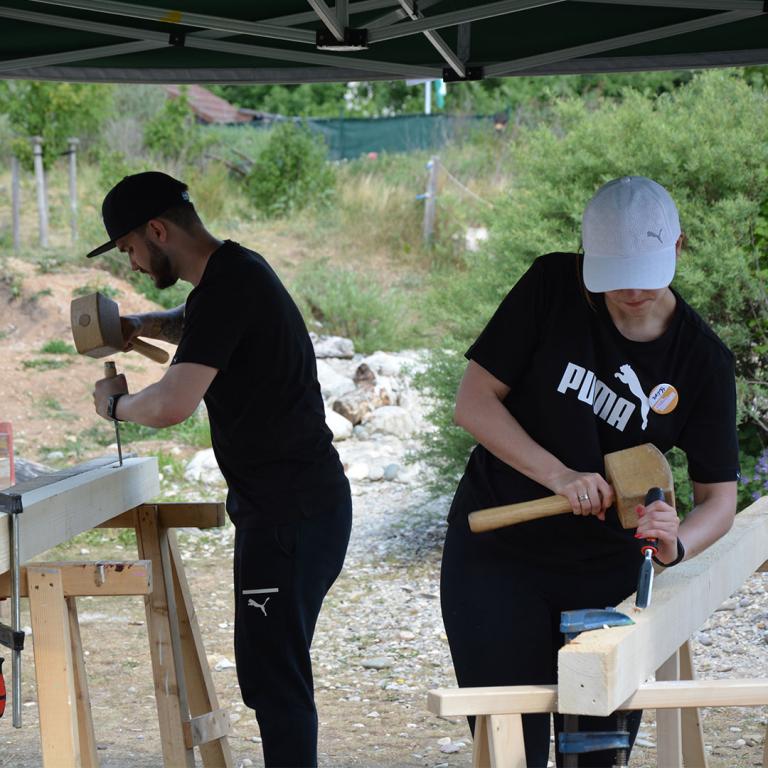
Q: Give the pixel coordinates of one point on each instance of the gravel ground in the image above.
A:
(380, 646)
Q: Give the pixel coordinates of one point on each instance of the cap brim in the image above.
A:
(101, 249)
(648, 272)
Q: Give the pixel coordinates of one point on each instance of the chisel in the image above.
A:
(110, 371)
(649, 548)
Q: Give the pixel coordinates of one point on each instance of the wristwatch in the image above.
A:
(112, 405)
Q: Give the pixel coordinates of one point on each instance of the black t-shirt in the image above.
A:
(265, 407)
(581, 390)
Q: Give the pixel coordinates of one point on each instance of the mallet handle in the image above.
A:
(150, 350)
(512, 514)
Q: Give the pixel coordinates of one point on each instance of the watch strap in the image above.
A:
(680, 556)
(112, 405)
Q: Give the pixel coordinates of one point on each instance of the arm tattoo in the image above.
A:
(171, 324)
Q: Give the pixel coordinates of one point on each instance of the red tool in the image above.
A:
(649, 548)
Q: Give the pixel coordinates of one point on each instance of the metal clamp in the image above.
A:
(12, 504)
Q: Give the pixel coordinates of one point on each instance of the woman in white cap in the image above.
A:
(586, 355)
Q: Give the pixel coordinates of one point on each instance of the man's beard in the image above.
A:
(160, 266)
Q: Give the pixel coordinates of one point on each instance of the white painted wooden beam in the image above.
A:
(56, 512)
(599, 670)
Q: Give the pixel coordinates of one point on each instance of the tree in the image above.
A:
(54, 111)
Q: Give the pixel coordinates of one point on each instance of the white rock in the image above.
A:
(473, 238)
(391, 420)
(444, 740)
(202, 468)
(385, 364)
(378, 662)
(332, 383)
(224, 664)
(341, 427)
(357, 471)
(376, 473)
(332, 346)
(391, 471)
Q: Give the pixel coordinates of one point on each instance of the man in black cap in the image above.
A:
(244, 349)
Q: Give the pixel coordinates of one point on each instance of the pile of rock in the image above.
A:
(371, 407)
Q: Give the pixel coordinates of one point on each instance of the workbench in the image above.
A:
(50, 510)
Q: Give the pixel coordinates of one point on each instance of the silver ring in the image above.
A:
(583, 497)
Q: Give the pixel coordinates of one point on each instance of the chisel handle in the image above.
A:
(512, 514)
(150, 351)
(654, 494)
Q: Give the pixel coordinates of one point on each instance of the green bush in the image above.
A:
(291, 172)
(174, 133)
(342, 302)
(716, 171)
(57, 347)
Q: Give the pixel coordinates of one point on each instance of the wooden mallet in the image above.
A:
(631, 472)
(96, 329)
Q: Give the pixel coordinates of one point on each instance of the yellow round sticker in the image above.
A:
(663, 399)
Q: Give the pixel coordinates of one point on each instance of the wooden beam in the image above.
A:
(206, 728)
(599, 670)
(176, 515)
(88, 753)
(669, 732)
(56, 512)
(674, 694)
(505, 741)
(481, 756)
(694, 753)
(93, 579)
(164, 645)
(56, 694)
(201, 692)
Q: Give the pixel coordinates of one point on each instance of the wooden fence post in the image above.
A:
(42, 202)
(16, 202)
(430, 200)
(73, 143)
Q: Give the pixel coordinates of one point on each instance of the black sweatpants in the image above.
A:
(282, 574)
(502, 619)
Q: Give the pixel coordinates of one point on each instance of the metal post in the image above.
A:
(13, 518)
(430, 199)
(427, 97)
(42, 207)
(73, 143)
(16, 202)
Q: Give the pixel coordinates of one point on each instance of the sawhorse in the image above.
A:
(498, 738)
(187, 706)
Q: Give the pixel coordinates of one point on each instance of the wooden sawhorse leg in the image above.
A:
(498, 742)
(66, 726)
(187, 706)
(680, 740)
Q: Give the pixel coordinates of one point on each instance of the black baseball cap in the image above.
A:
(135, 200)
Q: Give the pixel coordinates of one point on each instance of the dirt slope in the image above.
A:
(49, 407)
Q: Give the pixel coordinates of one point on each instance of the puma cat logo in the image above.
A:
(629, 377)
(653, 234)
(262, 606)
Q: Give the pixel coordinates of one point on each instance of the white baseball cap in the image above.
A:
(629, 232)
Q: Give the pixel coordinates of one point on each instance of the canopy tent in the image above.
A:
(293, 41)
